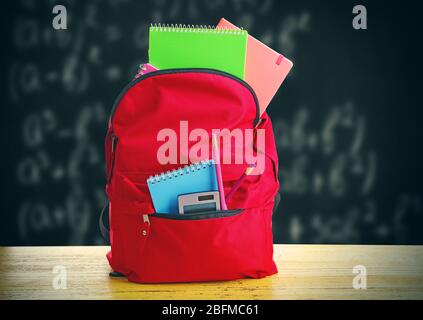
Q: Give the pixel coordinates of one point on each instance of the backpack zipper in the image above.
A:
(185, 70)
(146, 225)
(198, 216)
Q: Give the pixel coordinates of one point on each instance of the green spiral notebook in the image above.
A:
(198, 47)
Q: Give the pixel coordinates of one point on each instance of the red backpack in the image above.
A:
(153, 247)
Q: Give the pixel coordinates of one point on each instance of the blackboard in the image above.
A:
(346, 121)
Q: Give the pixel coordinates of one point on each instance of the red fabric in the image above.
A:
(221, 248)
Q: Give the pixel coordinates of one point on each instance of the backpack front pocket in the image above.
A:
(220, 245)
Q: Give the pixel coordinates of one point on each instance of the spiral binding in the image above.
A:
(179, 172)
(195, 28)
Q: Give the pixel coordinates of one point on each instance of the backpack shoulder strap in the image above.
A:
(103, 229)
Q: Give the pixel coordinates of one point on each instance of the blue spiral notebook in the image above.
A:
(167, 186)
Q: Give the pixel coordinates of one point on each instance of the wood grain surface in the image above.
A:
(305, 272)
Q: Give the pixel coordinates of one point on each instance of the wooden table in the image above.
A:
(305, 272)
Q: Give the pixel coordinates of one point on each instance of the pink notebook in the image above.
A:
(265, 69)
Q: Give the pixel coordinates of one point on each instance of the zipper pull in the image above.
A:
(146, 225)
(140, 72)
